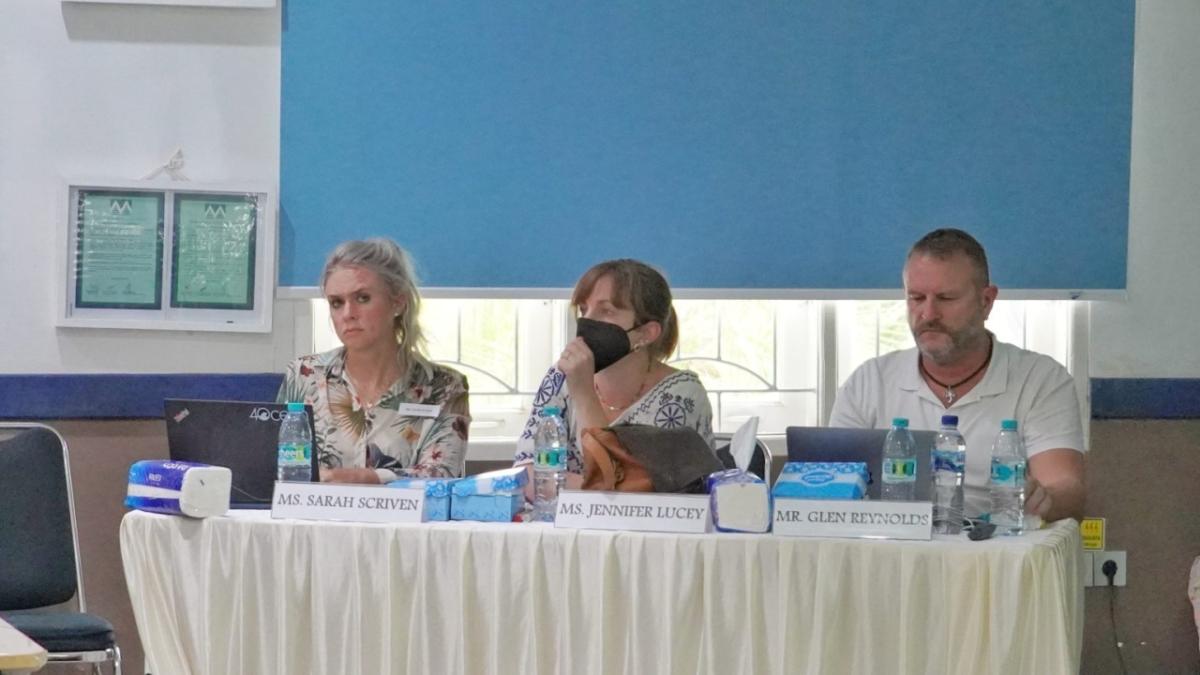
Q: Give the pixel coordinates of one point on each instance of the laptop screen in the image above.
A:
(826, 444)
(239, 435)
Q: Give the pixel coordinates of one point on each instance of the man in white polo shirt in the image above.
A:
(960, 368)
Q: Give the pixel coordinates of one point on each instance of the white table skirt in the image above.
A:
(245, 594)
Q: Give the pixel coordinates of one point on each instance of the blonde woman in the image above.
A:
(383, 409)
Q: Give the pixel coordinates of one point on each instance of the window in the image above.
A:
(866, 329)
(755, 357)
(503, 346)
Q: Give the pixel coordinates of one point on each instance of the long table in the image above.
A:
(247, 594)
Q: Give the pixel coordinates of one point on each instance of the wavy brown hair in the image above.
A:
(639, 287)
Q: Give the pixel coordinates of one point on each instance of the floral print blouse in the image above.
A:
(679, 400)
(418, 428)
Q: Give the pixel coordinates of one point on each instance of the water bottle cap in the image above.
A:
(295, 406)
(550, 410)
(901, 422)
(949, 420)
(1008, 425)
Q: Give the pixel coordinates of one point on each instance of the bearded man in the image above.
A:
(958, 367)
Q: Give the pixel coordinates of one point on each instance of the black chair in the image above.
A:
(39, 551)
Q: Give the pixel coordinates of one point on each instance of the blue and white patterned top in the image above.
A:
(679, 400)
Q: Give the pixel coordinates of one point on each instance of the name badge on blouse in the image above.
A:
(419, 410)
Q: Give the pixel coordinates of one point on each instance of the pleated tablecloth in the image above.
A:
(245, 594)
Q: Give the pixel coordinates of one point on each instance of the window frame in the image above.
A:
(501, 448)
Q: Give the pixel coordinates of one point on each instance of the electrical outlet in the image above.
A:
(1098, 560)
(1088, 569)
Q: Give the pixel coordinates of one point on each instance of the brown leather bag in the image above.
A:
(607, 464)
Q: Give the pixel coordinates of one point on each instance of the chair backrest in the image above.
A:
(39, 552)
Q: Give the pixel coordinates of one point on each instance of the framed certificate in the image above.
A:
(166, 255)
(213, 251)
(118, 253)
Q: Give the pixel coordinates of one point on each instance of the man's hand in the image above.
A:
(1055, 488)
(1038, 500)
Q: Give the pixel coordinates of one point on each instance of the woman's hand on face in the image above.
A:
(344, 475)
(578, 364)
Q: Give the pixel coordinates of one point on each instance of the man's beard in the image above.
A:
(961, 341)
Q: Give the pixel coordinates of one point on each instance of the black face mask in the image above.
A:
(608, 341)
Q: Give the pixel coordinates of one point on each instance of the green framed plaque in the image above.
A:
(213, 251)
(119, 249)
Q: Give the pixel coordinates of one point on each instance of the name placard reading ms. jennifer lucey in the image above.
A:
(853, 518)
(638, 511)
(357, 503)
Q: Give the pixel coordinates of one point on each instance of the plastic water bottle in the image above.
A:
(295, 446)
(550, 449)
(899, 463)
(949, 461)
(1007, 484)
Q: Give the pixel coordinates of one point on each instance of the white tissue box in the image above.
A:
(740, 502)
(179, 488)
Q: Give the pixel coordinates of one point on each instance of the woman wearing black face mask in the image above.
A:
(613, 371)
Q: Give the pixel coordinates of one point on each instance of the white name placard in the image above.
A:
(340, 501)
(853, 518)
(638, 511)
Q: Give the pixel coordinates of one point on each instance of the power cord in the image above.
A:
(1110, 572)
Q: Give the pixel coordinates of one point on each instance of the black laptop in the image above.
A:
(236, 434)
(826, 444)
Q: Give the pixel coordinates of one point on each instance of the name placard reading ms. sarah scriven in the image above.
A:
(853, 518)
(358, 503)
(639, 511)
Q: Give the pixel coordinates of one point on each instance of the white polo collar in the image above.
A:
(994, 382)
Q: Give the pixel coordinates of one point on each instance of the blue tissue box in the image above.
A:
(437, 495)
(822, 480)
(493, 496)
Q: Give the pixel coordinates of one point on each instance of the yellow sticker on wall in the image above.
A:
(1092, 530)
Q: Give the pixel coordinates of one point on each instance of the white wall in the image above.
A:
(1154, 333)
(112, 90)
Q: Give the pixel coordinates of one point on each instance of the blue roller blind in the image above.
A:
(735, 144)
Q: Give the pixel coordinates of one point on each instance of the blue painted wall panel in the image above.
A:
(141, 396)
(1135, 398)
(123, 395)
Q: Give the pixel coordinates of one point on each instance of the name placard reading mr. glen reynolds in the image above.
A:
(638, 511)
(853, 518)
(358, 503)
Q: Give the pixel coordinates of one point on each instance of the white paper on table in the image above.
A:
(745, 439)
